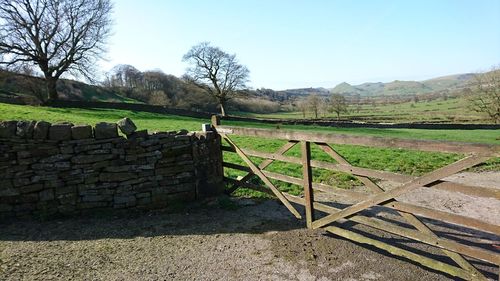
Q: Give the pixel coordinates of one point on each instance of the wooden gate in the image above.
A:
(333, 218)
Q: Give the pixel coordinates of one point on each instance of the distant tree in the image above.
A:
(159, 98)
(313, 102)
(324, 106)
(484, 95)
(58, 36)
(216, 72)
(338, 104)
(125, 75)
(302, 106)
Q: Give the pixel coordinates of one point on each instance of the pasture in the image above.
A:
(451, 110)
(393, 160)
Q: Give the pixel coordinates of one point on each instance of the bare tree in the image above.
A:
(125, 75)
(485, 94)
(338, 104)
(314, 102)
(302, 106)
(216, 72)
(58, 36)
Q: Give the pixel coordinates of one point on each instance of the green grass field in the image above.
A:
(450, 110)
(394, 160)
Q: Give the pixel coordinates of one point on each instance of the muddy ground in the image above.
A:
(220, 239)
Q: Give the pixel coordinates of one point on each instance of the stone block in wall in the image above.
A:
(8, 191)
(126, 126)
(24, 129)
(80, 132)
(67, 149)
(67, 199)
(116, 177)
(66, 209)
(46, 195)
(142, 134)
(87, 147)
(92, 205)
(86, 159)
(60, 132)
(41, 130)
(105, 130)
(27, 198)
(31, 188)
(55, 158)
(6, 207)
(128, 200)
(8, 129)
(97, 198)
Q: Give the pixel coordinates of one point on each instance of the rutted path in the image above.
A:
(256, 241)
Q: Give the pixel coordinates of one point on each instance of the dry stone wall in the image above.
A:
(48, 169)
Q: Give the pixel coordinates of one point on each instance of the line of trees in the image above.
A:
(318, 105)
(157, 88)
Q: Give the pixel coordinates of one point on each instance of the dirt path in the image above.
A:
(251, 241)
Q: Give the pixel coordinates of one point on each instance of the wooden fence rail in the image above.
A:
(332, 219)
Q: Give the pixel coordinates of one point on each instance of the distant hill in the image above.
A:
(305, 91)
(403, 88)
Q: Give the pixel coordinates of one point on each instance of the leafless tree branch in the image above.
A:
(216, 72)
(58, 36)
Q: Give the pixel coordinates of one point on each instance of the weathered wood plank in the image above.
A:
(268, 162)
(259, 173)
(227, 148)
(410, 218)
(215, 120)
(424, 145)
(456, 257)
(331, 166)
(398, 206)
(444, 217)
(236, 166)
(405, 188)
(365, 172)
(307, 182)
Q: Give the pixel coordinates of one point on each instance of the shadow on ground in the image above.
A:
(228, 233)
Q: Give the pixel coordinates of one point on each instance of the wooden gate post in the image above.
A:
(307, 182)
(215, 120)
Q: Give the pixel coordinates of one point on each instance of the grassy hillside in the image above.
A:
(402, 88)
(22, 86)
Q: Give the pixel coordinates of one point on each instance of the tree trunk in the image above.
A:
(222, 110)
(51, 88)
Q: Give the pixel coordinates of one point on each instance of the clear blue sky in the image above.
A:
(292, 43)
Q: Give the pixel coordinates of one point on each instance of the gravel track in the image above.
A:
(209, 241)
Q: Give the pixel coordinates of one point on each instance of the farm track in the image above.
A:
(212, 240)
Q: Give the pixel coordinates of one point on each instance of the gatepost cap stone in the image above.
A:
(24, 129)
(41, 130)
(104, 130)
(80, 132)
(8, 129)
(60, 131)
(126, 126)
